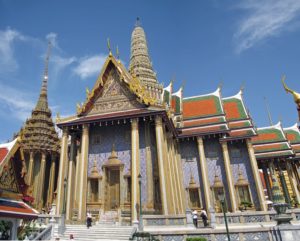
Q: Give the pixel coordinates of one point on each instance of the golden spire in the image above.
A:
(118, 54)
(108, 46)
(288, 90)
(268, 111)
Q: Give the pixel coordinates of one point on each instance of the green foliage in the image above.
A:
(196, 239)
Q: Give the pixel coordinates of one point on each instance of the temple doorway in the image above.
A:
(112, 189)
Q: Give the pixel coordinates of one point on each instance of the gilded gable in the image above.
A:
(115, 96)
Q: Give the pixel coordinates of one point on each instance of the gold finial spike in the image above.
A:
(118, 54)
(137, 22)
(45, 77)
(87, 91)
(108, 46)
(268, 111)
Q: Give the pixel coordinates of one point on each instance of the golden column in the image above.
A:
(83, 173)
(176, 178)
(71, 175)
(204, 173)
(293, 180)
(180, 176)
(149, 167)
(77, 177)
(168, 175)
(135, 168)
(41, 185)
(229, 177)
(62, 171)
(256, 175)
(30, 168)
(51, 179)
(161, 167)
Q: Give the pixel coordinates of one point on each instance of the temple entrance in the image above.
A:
(112, 189)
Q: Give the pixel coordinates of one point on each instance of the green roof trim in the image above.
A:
(240, 106)
(269, 134)
(296, 134)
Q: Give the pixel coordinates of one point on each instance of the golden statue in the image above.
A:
(294, 93)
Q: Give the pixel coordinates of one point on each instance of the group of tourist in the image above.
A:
(203, 215)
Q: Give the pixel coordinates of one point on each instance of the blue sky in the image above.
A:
(202, 43)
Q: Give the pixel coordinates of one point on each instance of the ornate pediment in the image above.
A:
(8, 178)
(115, 96)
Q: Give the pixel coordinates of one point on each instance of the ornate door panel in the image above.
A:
(113, 189)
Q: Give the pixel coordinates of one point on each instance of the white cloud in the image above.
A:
(52, 37)
(265, 19)
(15, 102)
(89, 66)
(60, 63)
(7, 60)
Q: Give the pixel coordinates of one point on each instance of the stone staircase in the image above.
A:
(101, 232)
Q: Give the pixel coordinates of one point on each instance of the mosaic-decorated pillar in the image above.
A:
(161, 167)
(258, 184)
(267, 181)
(149, 168)
(204, 172)
(71, 176)
(51, 179)
(41, 185)
(283, 184)
(135, 169)
(293, 180)
(83, 173)
(30, 168)
(229, 177)
(62, 171)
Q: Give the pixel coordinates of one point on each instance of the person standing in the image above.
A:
(89, 220)
(195, 218)
(203, 215)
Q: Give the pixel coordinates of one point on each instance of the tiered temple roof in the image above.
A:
(204, 114)
(38, 132)
(239, 121)
(271, 142)
(293, 135)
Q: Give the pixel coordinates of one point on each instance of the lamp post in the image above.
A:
(140, 210)
(222, 201)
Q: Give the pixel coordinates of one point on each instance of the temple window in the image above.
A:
(212, 154)
(243, 193)
(94, 183)
(236, 153)
(217, 192)
(194, 194)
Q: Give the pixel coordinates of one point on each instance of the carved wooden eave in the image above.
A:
(131, 81)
